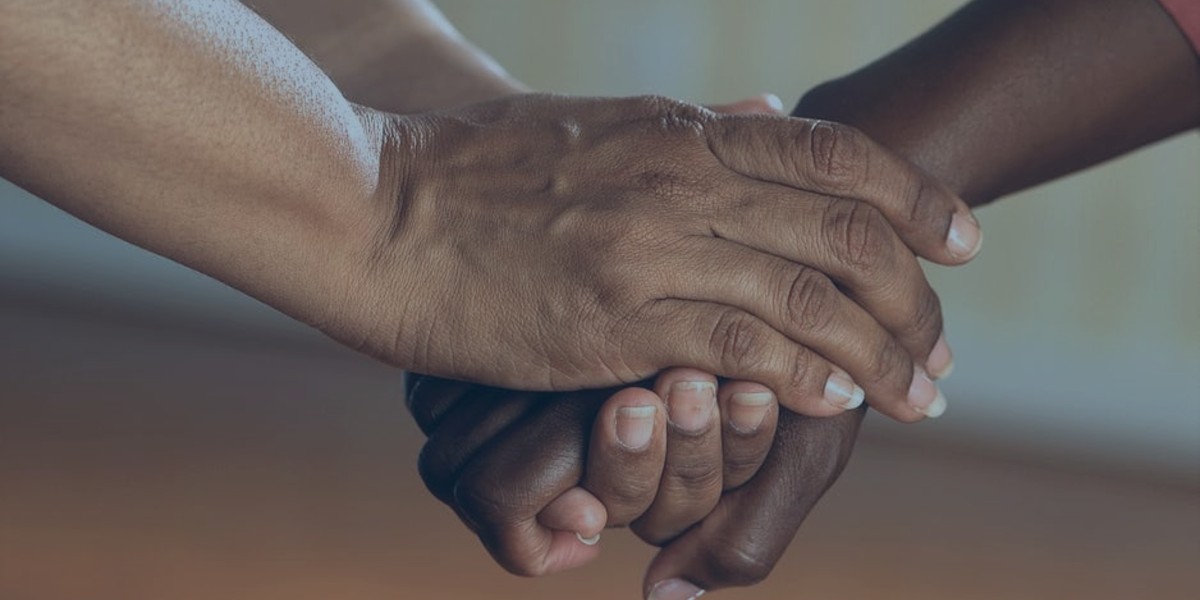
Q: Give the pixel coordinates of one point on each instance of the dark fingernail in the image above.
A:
(635, 426)
(965, 237)
(675, 589)
(690, 404)
(941, 359)
(748, 409)
(925, 397)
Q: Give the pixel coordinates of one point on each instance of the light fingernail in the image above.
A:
(589, 541)
(965, 237)
(748, 409)
(941, 359)
(690, 404)
(842, 392)
(635, 426)
(774, 102)
(925, 397)
(675, 589)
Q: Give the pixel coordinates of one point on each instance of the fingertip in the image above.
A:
(575, 521)
(809, 406)
(745, 405)
(964, 240)
(568, 551)
(764, 104)
(576, 511)
(773, 102)
(669, 377)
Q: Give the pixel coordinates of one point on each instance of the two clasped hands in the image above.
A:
(625, 311)
(776, 257)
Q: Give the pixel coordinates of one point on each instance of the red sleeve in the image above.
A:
(1187, 15)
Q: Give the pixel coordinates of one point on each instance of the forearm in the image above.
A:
(376, 50)
(1007, 94)
(192, 129)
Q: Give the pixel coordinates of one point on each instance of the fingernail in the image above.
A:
(965, 237)
(941, 359)
(748, 409)
(842, 392)
(774, 102)
(925, 397)
(589, 541)
(635, 426)
(675, 589)
(691, 403)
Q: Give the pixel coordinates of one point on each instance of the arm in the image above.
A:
(401, 56)
(477, 243)
(191, 129)
(1001, 96)
(1004, 95)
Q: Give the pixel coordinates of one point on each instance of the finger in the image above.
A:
(501, 491)
(803, 304)
(854, 245)
(625, 459)
(691, 477)
(748, 417)
(429, 399)
(576, 511)
(766, 104)
(740, 542)
(477, 418)
(735, 344)
(838, 160)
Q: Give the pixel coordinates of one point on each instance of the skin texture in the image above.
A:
(533, 241)
(398, 56)
(947, 102)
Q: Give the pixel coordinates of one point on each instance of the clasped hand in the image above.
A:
(797, 271)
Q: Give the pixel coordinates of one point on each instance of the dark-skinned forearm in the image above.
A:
(1006, 94)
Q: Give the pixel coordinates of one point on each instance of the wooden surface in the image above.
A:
(141, 464)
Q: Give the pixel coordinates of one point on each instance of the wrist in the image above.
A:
(426, 70)
(854, 101)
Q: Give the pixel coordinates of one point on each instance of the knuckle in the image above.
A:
(629, 498)
(839, 155)
(859, 236)
(671, 115)
(926, 322)
(698, 473)
(810, 301)
(740, 465)
(891, 368)
(737, 340)
(433, 471)
(925, 214)
(734, 563)
(802, 370)
(482, 500)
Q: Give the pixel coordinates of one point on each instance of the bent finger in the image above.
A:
(626, 454)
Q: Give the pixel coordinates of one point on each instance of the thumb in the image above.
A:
(766, 104)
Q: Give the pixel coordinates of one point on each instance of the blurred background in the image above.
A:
(164, 436)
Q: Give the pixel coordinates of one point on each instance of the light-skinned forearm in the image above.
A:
(193, 129)
(1007, 94)
(401, 56)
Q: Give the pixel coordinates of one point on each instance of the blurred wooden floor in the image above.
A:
(140, 464)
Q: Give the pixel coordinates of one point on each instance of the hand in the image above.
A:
(520, 494)
(619, 237)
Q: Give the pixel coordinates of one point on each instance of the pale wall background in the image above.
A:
(1077, 330)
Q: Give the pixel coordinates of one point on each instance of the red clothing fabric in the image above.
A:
(1187, 14)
